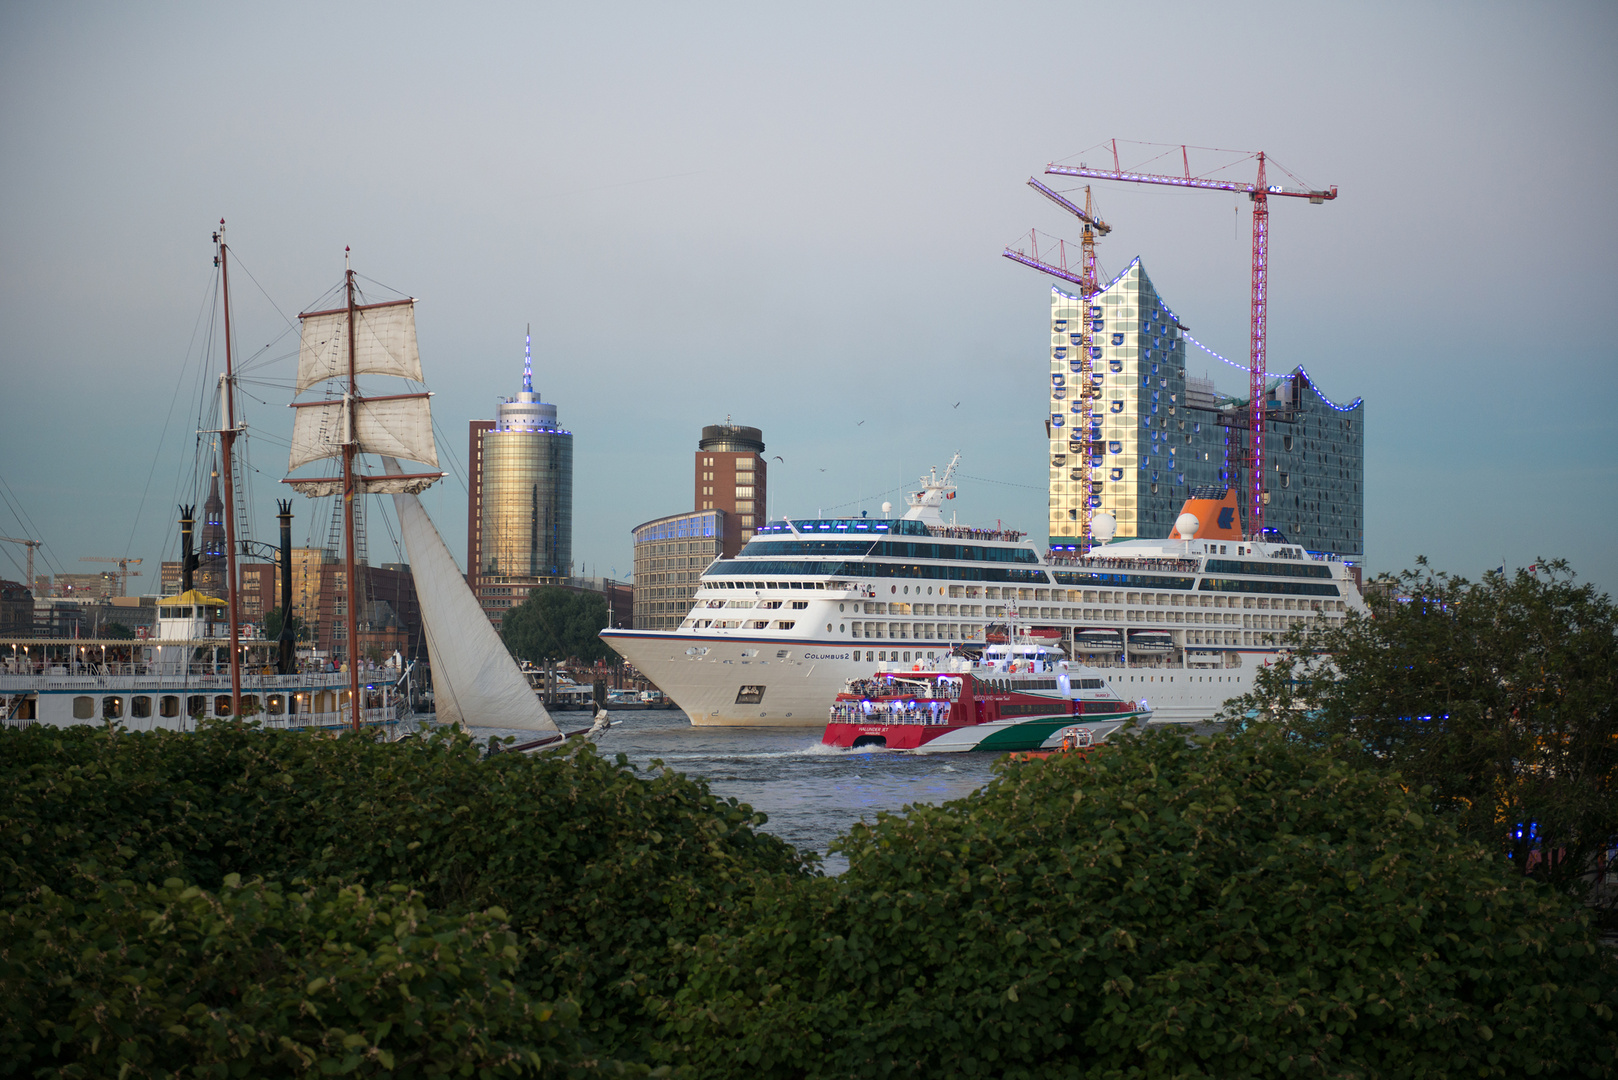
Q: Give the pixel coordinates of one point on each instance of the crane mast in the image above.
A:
(31, 545)
(1086, 439)
(1259, 192)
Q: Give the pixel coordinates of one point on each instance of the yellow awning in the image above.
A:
(192, 596)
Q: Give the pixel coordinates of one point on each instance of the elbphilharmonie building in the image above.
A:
(1157, 431)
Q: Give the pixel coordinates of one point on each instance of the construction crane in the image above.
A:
(1259, 191)
(31, 544)
(124, 571)
(1087, 444)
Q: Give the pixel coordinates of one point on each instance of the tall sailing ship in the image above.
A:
(475, 680)
(1180, 624)
(180, 677)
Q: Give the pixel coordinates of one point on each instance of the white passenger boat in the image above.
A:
(1182, 623)
(173, 680)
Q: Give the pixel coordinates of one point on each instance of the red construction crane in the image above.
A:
(1259, 191)
(1088, 287)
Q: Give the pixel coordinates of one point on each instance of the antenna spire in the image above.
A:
(528, 360)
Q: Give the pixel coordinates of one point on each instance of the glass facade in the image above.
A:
(1153, 435)
(670, 555)
(527, 504)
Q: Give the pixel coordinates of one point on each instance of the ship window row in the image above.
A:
(899, 549)
(913, 631)
(140, 706)
(880, 570)
(1233, 566)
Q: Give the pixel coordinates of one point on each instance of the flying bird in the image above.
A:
(957, 405)
(779, 458)
(861, 422)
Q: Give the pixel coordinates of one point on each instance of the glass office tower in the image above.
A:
(522, 500)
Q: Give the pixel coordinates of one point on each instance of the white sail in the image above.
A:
(475, 680)
(384, 344)
(396, 426)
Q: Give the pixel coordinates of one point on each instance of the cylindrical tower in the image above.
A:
(527, 490)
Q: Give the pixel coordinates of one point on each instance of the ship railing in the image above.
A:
(854, 713)
(962, 532)
(1108, 562)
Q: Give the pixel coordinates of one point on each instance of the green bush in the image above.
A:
(1240, 907)
(171, 980)
(598, 868)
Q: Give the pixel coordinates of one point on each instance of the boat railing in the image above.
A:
(962, 532)
(1108, 562)
(853, 712)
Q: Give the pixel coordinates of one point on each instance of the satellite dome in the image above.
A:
(1187, 525)
(1102, 526)
(887, 508)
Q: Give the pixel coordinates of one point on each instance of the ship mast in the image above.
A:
(391, 425)
(227, 444)
(350, 446)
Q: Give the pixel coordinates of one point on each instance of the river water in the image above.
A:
(811, 792)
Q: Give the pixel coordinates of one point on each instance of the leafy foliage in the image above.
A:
(555, 624)
(272, 626)
(173, 980)
(1501, 695)
(597, 868)
(1243, 907)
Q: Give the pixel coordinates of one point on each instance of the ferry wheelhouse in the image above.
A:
(1184, 622)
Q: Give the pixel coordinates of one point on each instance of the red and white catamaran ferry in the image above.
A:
(1017, 697)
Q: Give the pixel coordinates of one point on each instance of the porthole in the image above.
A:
(841, 607)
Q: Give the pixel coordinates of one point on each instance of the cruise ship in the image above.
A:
(1180, 623)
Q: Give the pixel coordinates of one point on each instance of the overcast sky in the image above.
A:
(793, 216)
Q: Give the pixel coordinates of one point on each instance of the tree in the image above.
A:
(555, 624)
(1501, 695)
(117, 631)
(1243, 905)
(272, 626)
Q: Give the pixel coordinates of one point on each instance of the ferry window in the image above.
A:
(828, 628)
(906, 659)
(83, 708)
(221, 705)
(112, 708)
(275, 705)
(196, 705)
(249, 704)
(867, 656)
(140, 706)
(169, 706)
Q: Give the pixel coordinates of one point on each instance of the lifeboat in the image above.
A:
(1098, 640)
(1150, 641)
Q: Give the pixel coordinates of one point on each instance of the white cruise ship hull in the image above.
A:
(723, 681)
